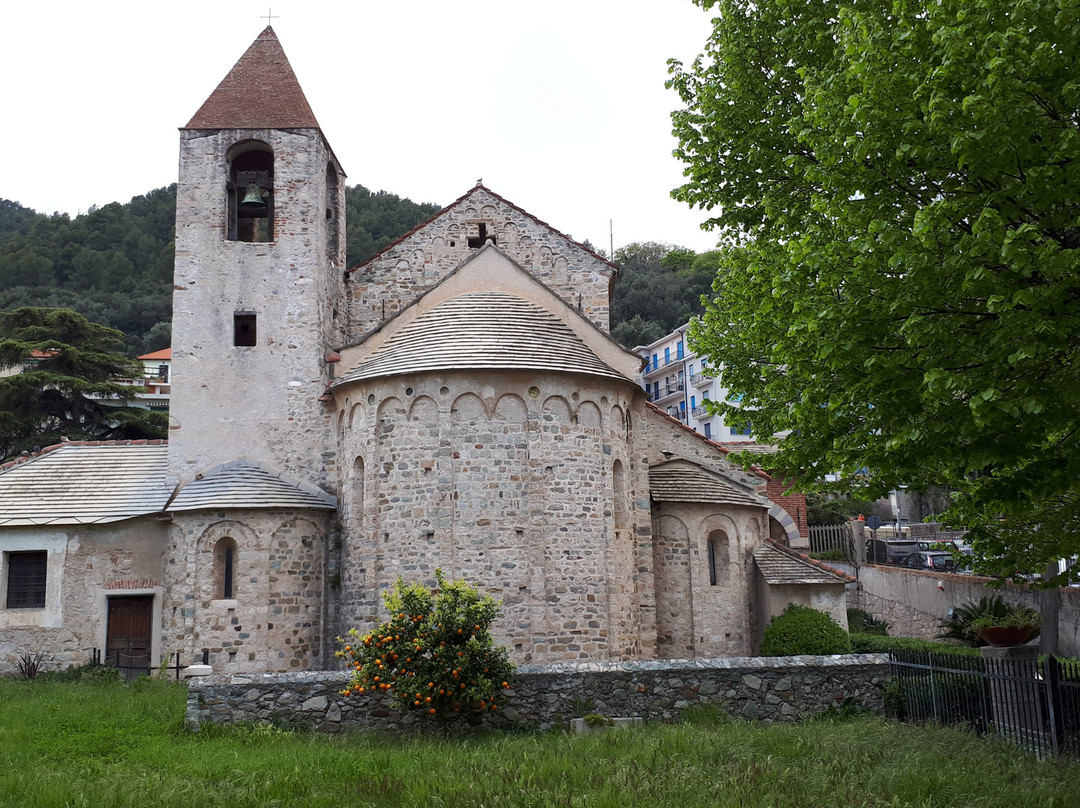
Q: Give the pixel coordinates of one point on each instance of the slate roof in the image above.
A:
(488, 330)
(681, 481)
(85, 483)
(260, 92)
(780, 565)
(248, 484)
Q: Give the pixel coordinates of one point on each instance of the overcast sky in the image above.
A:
(558, 105)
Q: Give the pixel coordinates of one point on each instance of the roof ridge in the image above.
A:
(481, 187)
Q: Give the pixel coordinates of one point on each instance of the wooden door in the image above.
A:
(127, 641)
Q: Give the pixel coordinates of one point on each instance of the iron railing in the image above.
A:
(132, 666)
(1033, 703)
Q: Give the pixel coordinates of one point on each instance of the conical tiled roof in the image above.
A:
(489, 330)
(248, 484)
(260, 92)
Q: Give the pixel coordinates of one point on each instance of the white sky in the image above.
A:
(559, 105)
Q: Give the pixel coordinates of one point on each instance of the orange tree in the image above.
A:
(434, 654)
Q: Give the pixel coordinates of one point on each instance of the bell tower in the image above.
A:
(258, 276)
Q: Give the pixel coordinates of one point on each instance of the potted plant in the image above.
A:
(1015, 628)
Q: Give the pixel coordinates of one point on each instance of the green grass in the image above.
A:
(110, 745)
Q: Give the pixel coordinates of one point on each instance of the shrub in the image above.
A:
(434, 654)
(986, 611)
(83, 673)
(30, 664)
(802, 630)
(865, 623)
(877, 644)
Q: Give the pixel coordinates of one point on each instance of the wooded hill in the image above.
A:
(114, 265)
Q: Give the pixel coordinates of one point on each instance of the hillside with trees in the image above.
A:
(659, 288)
(114, 264)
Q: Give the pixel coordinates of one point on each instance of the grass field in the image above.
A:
(105, 745)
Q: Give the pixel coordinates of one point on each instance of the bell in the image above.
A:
(252, 197)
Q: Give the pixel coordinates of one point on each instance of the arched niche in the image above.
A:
(556, 409)
(468, 407)
(588, 415)
(511, 408)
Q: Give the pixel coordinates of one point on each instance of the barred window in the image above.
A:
(26, 572)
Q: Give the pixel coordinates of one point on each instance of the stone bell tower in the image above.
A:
(260, 248)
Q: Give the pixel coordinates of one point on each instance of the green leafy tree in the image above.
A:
(435, 653)
(899, 286)
(64, 373)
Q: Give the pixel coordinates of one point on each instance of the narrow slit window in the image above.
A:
(244, 332)
(230, 558)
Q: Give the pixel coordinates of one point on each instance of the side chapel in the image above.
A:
(455, 401)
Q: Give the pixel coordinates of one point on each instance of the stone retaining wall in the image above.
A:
(767, 689)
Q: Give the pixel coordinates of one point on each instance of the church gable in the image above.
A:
(489, 313)
(386, 284)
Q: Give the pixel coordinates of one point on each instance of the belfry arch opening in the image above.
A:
(250, 188)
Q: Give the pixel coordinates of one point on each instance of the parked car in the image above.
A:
(932, 560)
(942, 545)
(889, 551)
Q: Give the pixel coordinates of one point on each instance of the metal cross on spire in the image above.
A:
(270, 15)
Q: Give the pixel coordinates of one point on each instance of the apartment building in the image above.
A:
(679, 382)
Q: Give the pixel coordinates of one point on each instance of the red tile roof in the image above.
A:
(164, 353)
(260, 92)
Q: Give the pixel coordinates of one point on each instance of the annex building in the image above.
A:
(455, 402)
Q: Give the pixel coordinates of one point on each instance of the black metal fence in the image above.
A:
(1034, 703)
(131, 666)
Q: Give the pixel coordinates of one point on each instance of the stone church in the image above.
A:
(455, 401)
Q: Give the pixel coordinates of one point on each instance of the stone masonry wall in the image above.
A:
(760, 688)
(276, 619)
(259, 401)
(507, 481)
(384, 286)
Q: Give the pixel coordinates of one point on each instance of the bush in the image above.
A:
(862, 643)
(865, 623)
(435, 654)
(984, 612)
(83, 673)
(802, 630)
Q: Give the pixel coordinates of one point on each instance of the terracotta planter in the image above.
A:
(1005, 636)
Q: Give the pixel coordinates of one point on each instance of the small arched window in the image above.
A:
(225, 557)
(717, 546)
(250, 190)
